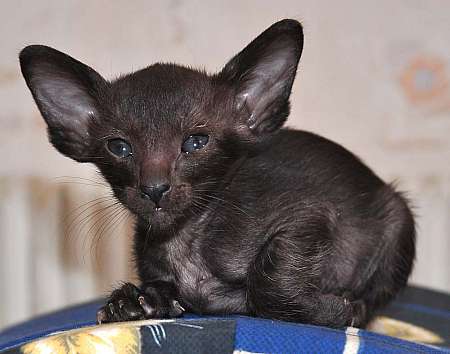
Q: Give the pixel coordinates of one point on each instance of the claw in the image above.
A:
(141, 300)
(111, 308)
(101, 316)
(177, 305)
(176, 309)
(145, 306)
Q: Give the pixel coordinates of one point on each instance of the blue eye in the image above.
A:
(194, 142)
(119, 147)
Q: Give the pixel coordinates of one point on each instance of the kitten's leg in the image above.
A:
(152, 300)
(378, 281)
(284, 282)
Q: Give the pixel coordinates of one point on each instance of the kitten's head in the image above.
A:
(167, 137)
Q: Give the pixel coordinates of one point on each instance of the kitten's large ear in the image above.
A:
(66, 92)
(262, 75)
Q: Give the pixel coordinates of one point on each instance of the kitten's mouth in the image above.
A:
(163, 213)
(156, 210)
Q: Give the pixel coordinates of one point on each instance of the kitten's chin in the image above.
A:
(160, 219)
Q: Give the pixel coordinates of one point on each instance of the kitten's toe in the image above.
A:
(358, 312)
(130, 303)
(176, 309)
(102, 316)
(146, 307)
(124, 305)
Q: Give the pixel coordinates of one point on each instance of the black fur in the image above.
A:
(263, 221)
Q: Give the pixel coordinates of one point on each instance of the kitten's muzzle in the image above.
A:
(154, 192)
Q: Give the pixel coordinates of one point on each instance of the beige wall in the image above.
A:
(374, 76)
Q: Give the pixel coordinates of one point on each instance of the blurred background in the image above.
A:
(374, 77)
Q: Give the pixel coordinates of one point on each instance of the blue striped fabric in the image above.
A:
(251, 334)
(264, 336)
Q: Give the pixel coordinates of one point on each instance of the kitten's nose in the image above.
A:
(155, 192)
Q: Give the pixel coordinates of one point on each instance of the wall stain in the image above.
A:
(424, 79)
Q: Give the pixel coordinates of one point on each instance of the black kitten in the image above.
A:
(233, 214)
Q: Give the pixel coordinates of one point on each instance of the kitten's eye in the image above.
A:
(119, 147)
(194, 142)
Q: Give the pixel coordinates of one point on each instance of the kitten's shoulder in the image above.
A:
(292, 145)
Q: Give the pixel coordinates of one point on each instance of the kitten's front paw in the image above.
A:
(129, 303)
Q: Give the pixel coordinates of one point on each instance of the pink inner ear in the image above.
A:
(268, 82)
(67, 104)
(66, 92)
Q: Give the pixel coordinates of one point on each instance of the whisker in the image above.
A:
(106, 226)
(231, 204)
(82, 179)
(80, 225)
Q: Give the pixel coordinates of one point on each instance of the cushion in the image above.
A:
(420, 317)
